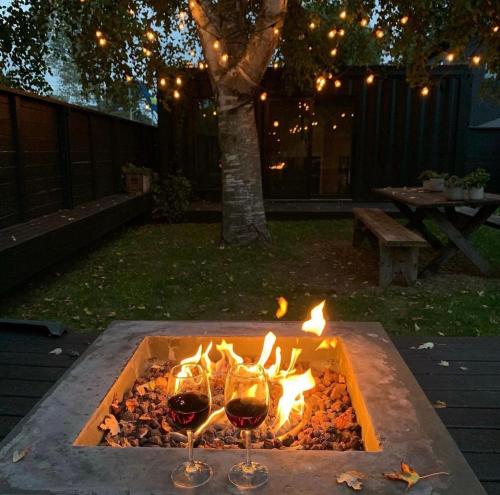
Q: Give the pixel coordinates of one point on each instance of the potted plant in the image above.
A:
(475, 183)
(454, 188)
(137, 179)
(432, 181)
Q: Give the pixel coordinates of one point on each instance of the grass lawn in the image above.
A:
(179, 272)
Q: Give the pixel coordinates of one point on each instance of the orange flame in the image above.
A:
(293, 388)
(227, 351)
(293, 359)
(317, 322)
(267, 348)
(283, 307)
(274, 370)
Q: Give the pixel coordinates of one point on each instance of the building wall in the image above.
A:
(396, 133)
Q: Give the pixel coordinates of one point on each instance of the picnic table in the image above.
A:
(417, 205)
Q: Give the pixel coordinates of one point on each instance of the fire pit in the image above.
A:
(381, 406)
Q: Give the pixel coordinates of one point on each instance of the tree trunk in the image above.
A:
(243, 216)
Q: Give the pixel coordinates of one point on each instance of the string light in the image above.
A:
(334, 127)
(177, 94)
(214, 113)
(263, 96)
(425, 91)
(98, 34)
(332, 33)
(150, 35)
(193, 53)
(201, 65)
(341, 32)
(178, 81)
(216, 44)
(404, 20)
(128, 78)
(276, 31)
(495, 29)
(476, 59)
(343, 115)
(276, 123)
(312, 25)
(146, 52)
(363, 22)
(370, 78)
(102, 42)
(333, 52)
(337, 83)
(450, 57)
(224, 58)
(343, 14)
(163, 82)
(131, 12)
(276, 65)
(379, 33)
(320, 83)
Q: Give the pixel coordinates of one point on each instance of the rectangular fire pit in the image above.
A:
(397, 422)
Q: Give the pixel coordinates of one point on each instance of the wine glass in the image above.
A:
(189, 402)
(247, 403)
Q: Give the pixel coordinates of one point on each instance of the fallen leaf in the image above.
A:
(56, 351)
(110, 423)
(443, 363)
(19, 455)
(417, 328)
(409, 475)
(283, 307)
(426, 345)
(352, 479)
(441, 333)
(464, 368)
(87, 311)
(440, 404)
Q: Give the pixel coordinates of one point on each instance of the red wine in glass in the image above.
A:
(246, 413)
(188, 410)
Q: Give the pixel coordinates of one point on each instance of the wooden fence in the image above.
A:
(54, 155)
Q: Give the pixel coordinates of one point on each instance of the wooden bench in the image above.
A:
(398, 246)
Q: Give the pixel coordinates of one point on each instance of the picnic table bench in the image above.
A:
(417, 205)
(398, 246)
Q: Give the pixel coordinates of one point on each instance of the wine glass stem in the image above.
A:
(190, 446)
(248, 444)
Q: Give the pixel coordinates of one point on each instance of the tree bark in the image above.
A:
(243, 215)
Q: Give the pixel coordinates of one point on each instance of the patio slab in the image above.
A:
(404, 421)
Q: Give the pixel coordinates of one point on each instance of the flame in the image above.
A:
(208, 364)
(293, 388)
(215, 417)
(283, 307)
(227, 352)
(293, 359)
(194, 359)
(274, 369)
(317, 322)
(267, 348)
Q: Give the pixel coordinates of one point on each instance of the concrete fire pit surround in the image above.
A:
(404, 422)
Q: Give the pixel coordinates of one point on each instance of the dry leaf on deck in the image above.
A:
(352, 479)
(426, 345)
(440, 404)
(56, 351)
(110, 423)
(443, 363)
(19, 455)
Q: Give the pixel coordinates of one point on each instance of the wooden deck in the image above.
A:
(470, 385)
(29, 247)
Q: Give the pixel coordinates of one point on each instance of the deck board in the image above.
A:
(472, 415)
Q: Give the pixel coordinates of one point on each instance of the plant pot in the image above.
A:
(436, 184)
(454, 193)
(137, 183)
(476, 193)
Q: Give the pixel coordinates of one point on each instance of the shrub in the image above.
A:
(478, 178)
(432, 174)
(454, 181)
(171, 197)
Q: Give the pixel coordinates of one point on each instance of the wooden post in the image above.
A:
(65, 157)
(15, 107)
(92, 156)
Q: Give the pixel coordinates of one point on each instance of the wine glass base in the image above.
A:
(191, 474)
(248, 476)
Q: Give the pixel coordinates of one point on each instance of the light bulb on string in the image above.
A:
(98, 34)
(476, 59)
(224, 58)
(263, 96)
(178, 81)
(332, 33)
(495, 29)
(333, 52)
(276, 30)
(176, 94)
(379, 33)
(363, 22)
(337, 83)
(128, 78)
(425, 91)
(150, 35)
(404, 20)
(450, 57)
(370, 78)
(343, 14)
(102, 42)
(312, 25)
(163, 82)
(341, 32)
(216, 44)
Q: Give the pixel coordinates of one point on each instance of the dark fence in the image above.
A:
(54, 155)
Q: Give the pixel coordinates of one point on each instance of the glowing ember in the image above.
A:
(317, 322)
(283, 307)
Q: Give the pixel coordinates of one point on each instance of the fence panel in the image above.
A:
(54, 155)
